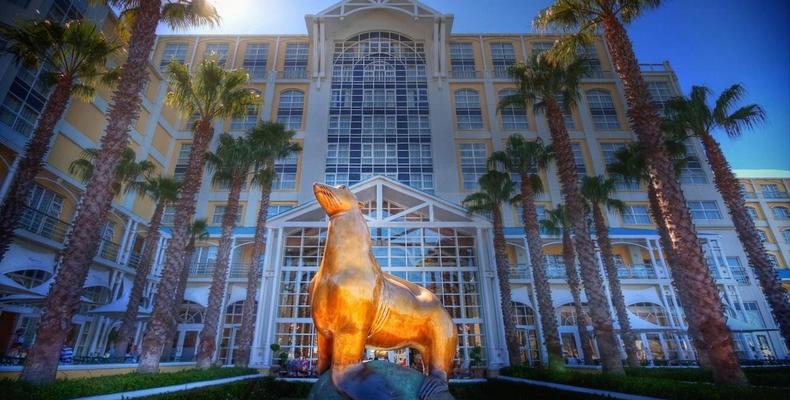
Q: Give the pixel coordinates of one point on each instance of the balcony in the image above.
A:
(466, 74)
(749, 195)
(501, 72)
(135, 259)
(108, 250)
(636, 271)
(44, 225)
(653, 68)
(739, 274)
(556, 271)
(293, 73)
(205, 270)
(520, 271)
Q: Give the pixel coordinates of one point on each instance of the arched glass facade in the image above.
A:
(378, 114)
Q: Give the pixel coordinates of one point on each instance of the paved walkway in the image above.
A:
(578, 389)
(168, 389)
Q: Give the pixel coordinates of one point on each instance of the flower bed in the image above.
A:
(646, 385)
(72, 388)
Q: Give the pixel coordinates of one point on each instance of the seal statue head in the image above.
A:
(336, 200)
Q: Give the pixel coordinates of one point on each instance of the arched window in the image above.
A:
(602, 109)
(523, 314)
(650, 312)
(467, 109)
(566, 314)
(249, 119)
(290, 109)
(781, 213)
(191, 313)
(29, 278)
(513, 117)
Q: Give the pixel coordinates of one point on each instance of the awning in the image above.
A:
(8, 285)
(521, 295)
(117, 308)
(20, 258)
(33, 299)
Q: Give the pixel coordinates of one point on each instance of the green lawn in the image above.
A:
(270, 389)
(664, 383)
(71, 388)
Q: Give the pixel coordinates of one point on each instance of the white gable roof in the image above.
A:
(413, 8)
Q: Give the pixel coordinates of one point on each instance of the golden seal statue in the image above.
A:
(355, 304)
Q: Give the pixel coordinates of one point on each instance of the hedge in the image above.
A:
(270, 389)
(70, 388)
(763, 376)
(649, 386)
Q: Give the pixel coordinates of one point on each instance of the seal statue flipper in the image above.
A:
(360, 383)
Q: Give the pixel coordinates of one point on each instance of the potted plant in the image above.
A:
(476, 366)
(275, 347)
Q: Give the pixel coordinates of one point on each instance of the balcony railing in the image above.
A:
(739, 274)
(653, 68)
(206, 269)
(749, 195)
(520, 271)
(466, 74)
(293, 73)
(775, 195)
(44, 225)
(135, 259)
(108, 250)
(556, 271)
(501, 72)
(636, 271)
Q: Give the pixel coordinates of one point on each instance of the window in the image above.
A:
(290, 108)
(752, 213)
(609, 151)
(173, 51)
(341, 98)
(378, 153)
(513, 117)
(420, 153)
(578, 159)
(467, 109)
(635, 215)
(462, 60)
(692, 172)
(63, 10)
(219, 213)
(217, 51)
(277, 209)
(786, 234)
(249, 119)
(541, 47)
(182, 162)
(771, 191)
(502, 57)
(523, 314)
(659, 94)
(379, 72)
(378, 98)
(772, 259)
(25, 99)
(338, 153)
(295, 63)
(473, 163)
(763, 236)
(704, 210)
(753, 314)
(255, 57)
(591, 61)
(286, 169)
(650, 312)
(602, 109)
(781, 213)
(379, 125)
(169, 215)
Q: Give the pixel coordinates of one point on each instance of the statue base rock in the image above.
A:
(405, 382)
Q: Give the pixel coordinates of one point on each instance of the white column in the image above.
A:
(441, 47)
(316, 45)
(271, 281)
(489, 291)
(224, 304)
(9, 177)
(256, 352)
(436, 47)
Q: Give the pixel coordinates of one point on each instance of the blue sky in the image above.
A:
(711, 42)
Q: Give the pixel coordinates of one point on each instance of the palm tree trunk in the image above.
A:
(242, 354)
(164, 309)
(618, 300)
(730, 191)
(208, 335)
(593, 285)
(182, 288)
(703, 294)
(529, 218)
(505, 297)
(42, 361)
(32, 162)
(129, 319)
(666, 244)
(569, 259)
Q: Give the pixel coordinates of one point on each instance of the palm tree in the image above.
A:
(75, 55)
(212, 93)
(539, 83)
(631, 165)
(272, 141)
(197, 231)
(163, 190)
(598, 192)
(231, 164)
(583, 18)
(127, 171)
(557, 222)
(693, 114)
(496, 188)
(526, 159)
(143, 17)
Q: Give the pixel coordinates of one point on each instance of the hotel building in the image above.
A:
(388, 98)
